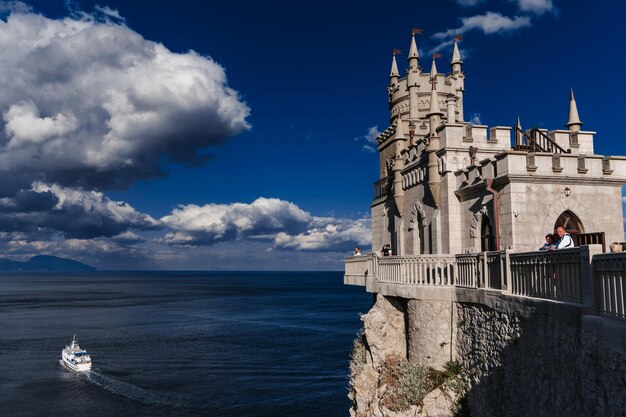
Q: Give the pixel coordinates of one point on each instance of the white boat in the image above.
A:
(75, 358)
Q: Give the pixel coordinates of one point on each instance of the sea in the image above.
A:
(249, 344)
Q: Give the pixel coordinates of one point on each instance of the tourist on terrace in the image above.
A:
(616, 247)
(357, 251)
(550, 243)
(386, 250)
(565, 240)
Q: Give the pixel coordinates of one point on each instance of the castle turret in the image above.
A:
(398, 165)
(456, 59)
(573, 121)
(457, 77)
(434, 116)
(394, 75)
(412, 80)
(434, 113)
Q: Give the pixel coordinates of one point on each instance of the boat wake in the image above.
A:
(118, 387)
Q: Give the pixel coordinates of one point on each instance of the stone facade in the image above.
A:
(450, 186)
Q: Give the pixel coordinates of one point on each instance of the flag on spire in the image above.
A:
(416, 31)
(458, 37)
(436, 56)
(396, 52)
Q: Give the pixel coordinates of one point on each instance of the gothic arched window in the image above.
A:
(570, 222)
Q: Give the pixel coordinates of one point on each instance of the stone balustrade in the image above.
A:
(418, 270)
(609, 272)
(567, 275)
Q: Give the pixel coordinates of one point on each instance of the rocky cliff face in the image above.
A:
(384, 383)
(480, 354)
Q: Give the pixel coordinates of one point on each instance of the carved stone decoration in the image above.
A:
(418, 208)
(476, 220)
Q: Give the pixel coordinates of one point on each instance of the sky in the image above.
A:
(241, 135)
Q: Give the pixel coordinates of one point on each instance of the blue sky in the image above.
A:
(193, 135)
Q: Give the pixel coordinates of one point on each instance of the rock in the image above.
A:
(439, 403)
(384, 327)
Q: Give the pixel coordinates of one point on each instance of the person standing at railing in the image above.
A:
(550, 243)
(565, 240)
(357, 251)
(386, 250)
(616, 247)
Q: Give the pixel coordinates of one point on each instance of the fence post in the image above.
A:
(506, 268)
(485, 273)
(586, 272)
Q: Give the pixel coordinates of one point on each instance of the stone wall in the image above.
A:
(520, 356)
(537, 362)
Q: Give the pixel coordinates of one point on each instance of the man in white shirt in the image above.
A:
(565, 240)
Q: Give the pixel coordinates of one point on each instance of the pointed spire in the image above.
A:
(413, 52)
(573, 121)
(519, 133)
(433, 70)
(456, 55)
(434, 100)
(394, 68)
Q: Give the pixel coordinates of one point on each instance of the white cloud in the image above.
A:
(328, 234)
(489, 23)
(24, 125)
(371, 144)
(535, 6)
(103, 104)
(266, 219)
(211, 223)
(48, 209)
(624, 200)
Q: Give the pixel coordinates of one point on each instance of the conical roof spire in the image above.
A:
(394, 68)
(456, 55)
(519, 133)
(433, 69)
(434, 100)
(573, 121)
(413, 52)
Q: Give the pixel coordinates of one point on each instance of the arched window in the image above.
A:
(487, 238)
(570, 222)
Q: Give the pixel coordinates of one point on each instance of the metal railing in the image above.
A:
(535, 140)
(609, 272)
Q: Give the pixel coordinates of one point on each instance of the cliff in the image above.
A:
(479, 354)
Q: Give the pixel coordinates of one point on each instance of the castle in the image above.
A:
(449, 186)
(517, 331)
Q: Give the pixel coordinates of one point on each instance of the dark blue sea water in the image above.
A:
(179, 344)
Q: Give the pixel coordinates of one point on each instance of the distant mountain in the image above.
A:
(44, 263)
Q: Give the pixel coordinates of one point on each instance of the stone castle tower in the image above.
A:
(450, 186)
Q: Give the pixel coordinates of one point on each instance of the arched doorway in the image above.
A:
(570, 222)
(487, 238)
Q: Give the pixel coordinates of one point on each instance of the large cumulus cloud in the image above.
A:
(86, 101)
(49, 209)
(285, 225)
